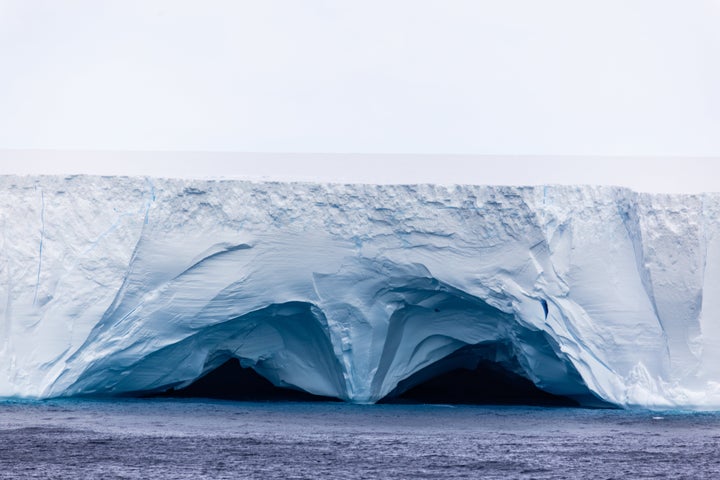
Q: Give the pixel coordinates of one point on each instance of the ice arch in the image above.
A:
(285, 343)
(410, 328)
(438, 329)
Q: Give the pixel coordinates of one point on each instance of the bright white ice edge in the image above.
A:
(116, 284)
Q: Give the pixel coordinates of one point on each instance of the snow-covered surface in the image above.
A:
(118, 284)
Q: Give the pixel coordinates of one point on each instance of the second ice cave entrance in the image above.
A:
(447, 346)
(469, 377)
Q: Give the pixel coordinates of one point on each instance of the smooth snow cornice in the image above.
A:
(111, 285)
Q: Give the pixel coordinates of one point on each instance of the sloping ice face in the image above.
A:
(133, 285)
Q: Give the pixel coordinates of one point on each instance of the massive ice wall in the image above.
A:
(112, 285)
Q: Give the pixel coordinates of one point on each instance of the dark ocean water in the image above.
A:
(171, 438)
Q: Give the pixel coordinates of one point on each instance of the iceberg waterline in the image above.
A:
(112, 285)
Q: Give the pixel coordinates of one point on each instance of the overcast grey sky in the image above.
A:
(501, 77)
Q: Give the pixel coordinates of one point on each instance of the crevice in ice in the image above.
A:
(117, 301)
(150, 201)
(42, 239)
(634, 230)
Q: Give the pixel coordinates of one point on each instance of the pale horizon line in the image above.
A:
(654, 174)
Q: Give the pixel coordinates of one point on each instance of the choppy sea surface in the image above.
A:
(172, 438)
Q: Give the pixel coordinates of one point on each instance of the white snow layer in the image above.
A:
(114, 284)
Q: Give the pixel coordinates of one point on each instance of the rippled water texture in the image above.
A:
(211, 439)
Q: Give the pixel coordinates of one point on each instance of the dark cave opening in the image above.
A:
(488, 384)
(232, 381)
(473, 376)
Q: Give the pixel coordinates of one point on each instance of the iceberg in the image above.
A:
(126, 285)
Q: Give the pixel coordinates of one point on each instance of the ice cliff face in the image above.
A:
(112, 285)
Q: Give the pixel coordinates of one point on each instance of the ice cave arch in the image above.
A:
(285, 343)
(442, 332)
(432, 330)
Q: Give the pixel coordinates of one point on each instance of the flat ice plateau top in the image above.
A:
(111, 285)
